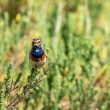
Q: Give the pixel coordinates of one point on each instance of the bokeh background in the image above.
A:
(76, 35)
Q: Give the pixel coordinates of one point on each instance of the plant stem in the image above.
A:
(26, 89)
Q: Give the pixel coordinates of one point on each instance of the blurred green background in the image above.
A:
(77, 36)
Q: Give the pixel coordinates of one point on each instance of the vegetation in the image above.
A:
(76, 36)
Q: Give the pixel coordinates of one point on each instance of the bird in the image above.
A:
(37, 55)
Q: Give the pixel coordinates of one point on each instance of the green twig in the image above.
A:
(21, 97)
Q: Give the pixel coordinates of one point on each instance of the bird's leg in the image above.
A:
(44, 70)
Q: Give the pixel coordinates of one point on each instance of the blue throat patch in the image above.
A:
(37, 52)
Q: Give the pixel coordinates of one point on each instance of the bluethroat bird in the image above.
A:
(37, 54)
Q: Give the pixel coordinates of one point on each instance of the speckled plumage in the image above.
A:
(37, 55)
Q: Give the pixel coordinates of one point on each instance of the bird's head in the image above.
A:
(36, 42)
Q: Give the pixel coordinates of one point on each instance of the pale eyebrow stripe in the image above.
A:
(38, 41)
